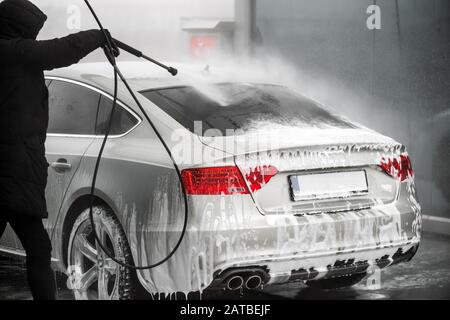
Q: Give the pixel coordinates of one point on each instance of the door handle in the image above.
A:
(61, 165)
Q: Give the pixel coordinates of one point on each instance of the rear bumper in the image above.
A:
(225, 233)
(286, 270)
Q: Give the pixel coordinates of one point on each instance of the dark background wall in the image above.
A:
(395, 80)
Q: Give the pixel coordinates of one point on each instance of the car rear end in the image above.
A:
(303, 218)
(314, 198)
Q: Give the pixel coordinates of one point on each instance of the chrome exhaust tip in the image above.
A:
(253, 282)
(235, 283)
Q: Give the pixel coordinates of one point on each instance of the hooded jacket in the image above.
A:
(24, 101)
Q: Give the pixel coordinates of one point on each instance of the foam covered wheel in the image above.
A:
(92, 275)
(336, 283)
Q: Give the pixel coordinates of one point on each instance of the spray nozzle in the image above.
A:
(172, 71)
(135, 52)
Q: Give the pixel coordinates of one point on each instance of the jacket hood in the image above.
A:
(20, 19)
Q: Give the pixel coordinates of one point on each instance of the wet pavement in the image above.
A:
(427, 276)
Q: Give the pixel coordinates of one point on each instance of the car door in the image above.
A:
(73, 111)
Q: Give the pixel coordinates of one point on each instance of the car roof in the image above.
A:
(141, 75)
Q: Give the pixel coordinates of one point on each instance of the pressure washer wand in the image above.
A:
(126, 47)
(139, 54)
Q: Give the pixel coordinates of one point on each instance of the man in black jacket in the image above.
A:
(23, 123)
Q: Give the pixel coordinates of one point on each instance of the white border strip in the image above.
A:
(436, 224)
(18, 253)
(438, 219)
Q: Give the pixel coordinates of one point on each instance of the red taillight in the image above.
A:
(225, 180)
(400, 167)
(214, 181)
(259, 176)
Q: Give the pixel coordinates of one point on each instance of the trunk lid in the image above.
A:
(299, 152)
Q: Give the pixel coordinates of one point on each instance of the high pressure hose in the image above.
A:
(118, 73)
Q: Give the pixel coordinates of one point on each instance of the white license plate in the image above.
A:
(328, 185)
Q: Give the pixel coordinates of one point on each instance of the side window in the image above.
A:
(73, 109)
(122, 122)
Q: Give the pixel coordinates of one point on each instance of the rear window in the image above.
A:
(242, 107)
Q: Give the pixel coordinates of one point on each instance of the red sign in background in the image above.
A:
(203, 45)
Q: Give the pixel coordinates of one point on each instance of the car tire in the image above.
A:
(92, 274)
(336, 283)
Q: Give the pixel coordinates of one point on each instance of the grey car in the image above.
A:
(280, 189)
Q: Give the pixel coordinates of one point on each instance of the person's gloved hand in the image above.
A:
(114, 51)
(110, 39)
